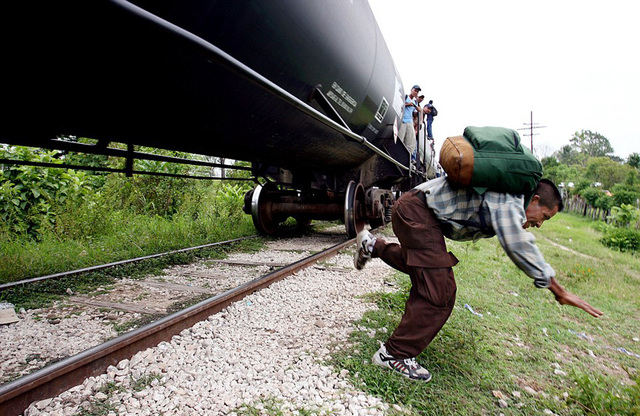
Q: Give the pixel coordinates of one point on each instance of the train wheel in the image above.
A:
(354, 220)
(261, 211)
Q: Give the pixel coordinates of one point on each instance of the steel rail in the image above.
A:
(229, 62)
(118, 263)
(17, 395)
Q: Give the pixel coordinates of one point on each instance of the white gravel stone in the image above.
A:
(34, 340)
(268, 346)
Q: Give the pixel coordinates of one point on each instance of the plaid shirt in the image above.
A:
(466, 215)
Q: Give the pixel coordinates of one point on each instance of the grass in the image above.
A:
(524, 341)
(271, 406)
(136, 236)
(103, 406)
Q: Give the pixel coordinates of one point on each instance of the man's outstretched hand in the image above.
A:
(565, 297)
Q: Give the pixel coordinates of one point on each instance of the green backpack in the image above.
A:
(490, 159)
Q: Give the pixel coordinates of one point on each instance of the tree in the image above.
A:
(591, 143)
(543, 150)
(561, 173)
(591, 195)
(568, 155)
(606, 171)
(634, 160)
(549, 162)
(624, 194)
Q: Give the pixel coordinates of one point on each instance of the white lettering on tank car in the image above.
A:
(382, 110)
(340, 102)
(342, 93)
(373, 129)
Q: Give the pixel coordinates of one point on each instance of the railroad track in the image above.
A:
(219, 282)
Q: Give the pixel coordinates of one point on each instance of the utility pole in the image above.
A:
(532, 126)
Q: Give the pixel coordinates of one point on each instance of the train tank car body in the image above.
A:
(244, 80)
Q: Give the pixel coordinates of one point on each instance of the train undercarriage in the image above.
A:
(361, 196)
(269, 206)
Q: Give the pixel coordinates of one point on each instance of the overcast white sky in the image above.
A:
(574, 63)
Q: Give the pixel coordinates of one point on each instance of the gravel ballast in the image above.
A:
(268, 348)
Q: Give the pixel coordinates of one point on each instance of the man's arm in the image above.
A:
(507, 217)
(565, 297)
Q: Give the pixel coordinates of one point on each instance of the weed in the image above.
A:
(183, 304)
(127, 326)
(598, 395)
(273, 407)
(32, 357)
(102, 407)
(145, 381)
(581, 273)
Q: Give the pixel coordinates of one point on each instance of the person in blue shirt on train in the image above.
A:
(407, 133)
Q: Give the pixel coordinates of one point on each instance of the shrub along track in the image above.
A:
(221, 282)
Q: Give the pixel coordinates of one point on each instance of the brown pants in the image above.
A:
(422, 254)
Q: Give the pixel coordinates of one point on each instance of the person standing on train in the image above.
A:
(407, 134)
(431, 112)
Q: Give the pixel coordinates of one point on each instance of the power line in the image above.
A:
(532, 126)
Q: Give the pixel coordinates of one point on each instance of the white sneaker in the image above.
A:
(364, 245)
(408, 367)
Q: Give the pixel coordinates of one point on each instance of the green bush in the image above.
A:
(580, 186)
(604, 202)
(624, 196)
(623, 239)
(602, 226)
(624, 215)
(150, 195)
(229, 199)
(31, 197)
(95, 233)
(55, 219)
(591, 195)
(88, 221)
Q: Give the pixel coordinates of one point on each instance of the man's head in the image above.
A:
(415, 90)
(545, 203)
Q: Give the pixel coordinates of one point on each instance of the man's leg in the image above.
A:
(402, 132)
(410, 141)
(431, 300)
(407, 135)
(390, 253)
(425, 258)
